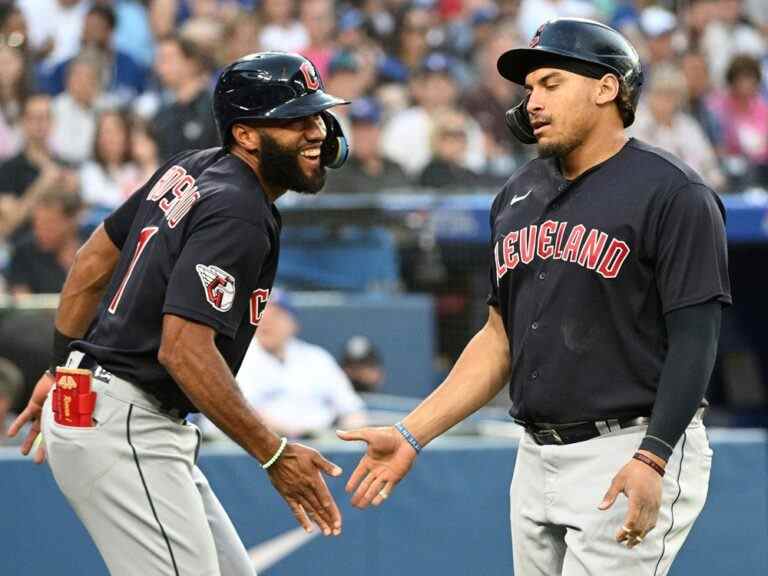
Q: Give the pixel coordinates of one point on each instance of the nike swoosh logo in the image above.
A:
(516, 198)
(269, 553)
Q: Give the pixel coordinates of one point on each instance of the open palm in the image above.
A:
(387, 461)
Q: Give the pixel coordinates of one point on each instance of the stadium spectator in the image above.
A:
(449, 148)
(11, 386)
(362, 365)
(133, 33)
(346, 78)
(14, 86)
(533, 13)
(41, 259)
(351, 29)
(662, 121)
(121, 76)
(55, 28)
(742, 113)
(13, 26)
(434, 87)
(207, 34)
(697, 80)
(366, 171)
(412, 40)
(297, 388)
(35, 160)
(143, 150)
(281, 30)
(111, 176)
(658, 27)
(489, 100)
(185, 121)
(727, 35)
(318, 19)
(242, 34)
(697, 14)
(74, 111)
(380, 18)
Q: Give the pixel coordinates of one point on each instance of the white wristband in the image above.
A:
(283, 444)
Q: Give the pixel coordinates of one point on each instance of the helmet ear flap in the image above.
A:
(518, 123)
(335, 148)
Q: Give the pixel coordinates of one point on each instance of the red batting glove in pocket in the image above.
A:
(73, 400)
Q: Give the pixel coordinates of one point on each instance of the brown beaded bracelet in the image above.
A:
(646, 460)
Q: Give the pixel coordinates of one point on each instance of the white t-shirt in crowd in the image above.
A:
(413, 126)
(108, 189)
(305, 392)
(74, 128)
(63, 24)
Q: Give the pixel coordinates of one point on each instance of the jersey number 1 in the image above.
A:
(144, 236)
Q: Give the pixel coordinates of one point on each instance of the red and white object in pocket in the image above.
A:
(73, 400)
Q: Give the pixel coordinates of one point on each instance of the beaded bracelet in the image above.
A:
(408, 436)
(283, 444)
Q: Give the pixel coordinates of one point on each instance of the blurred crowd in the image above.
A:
(96, 94)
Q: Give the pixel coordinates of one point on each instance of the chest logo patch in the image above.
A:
(219, 286)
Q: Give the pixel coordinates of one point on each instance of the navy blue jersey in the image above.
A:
(583, 272)
(200, 240)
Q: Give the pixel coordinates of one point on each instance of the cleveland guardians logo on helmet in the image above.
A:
(311, 78)
(536, 37)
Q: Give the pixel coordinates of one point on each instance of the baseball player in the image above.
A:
(159, 309)
(608, 273)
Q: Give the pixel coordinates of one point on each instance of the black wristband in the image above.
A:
(60, 349)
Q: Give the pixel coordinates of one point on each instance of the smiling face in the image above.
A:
(564, 107)
(288, 152)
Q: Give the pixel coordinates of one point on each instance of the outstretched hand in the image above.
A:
(643, 486)
(387, 461)
(297, 476)
(32, 413)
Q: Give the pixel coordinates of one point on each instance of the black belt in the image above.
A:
(545, 434)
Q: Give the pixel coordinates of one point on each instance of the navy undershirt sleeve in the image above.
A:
(692, 334)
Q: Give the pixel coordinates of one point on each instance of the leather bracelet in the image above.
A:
(283, 444)
(649, 461)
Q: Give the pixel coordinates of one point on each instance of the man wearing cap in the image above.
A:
(362, 364)
(155, 318)
(608, 273)
(367, 171)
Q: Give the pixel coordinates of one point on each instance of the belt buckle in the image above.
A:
(549, 433)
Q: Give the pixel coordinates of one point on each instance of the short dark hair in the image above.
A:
(107, 13)
(743, 65)
(624, 103)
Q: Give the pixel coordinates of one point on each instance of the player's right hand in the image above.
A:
(297, 476)
(387, 461)
(32, 413)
